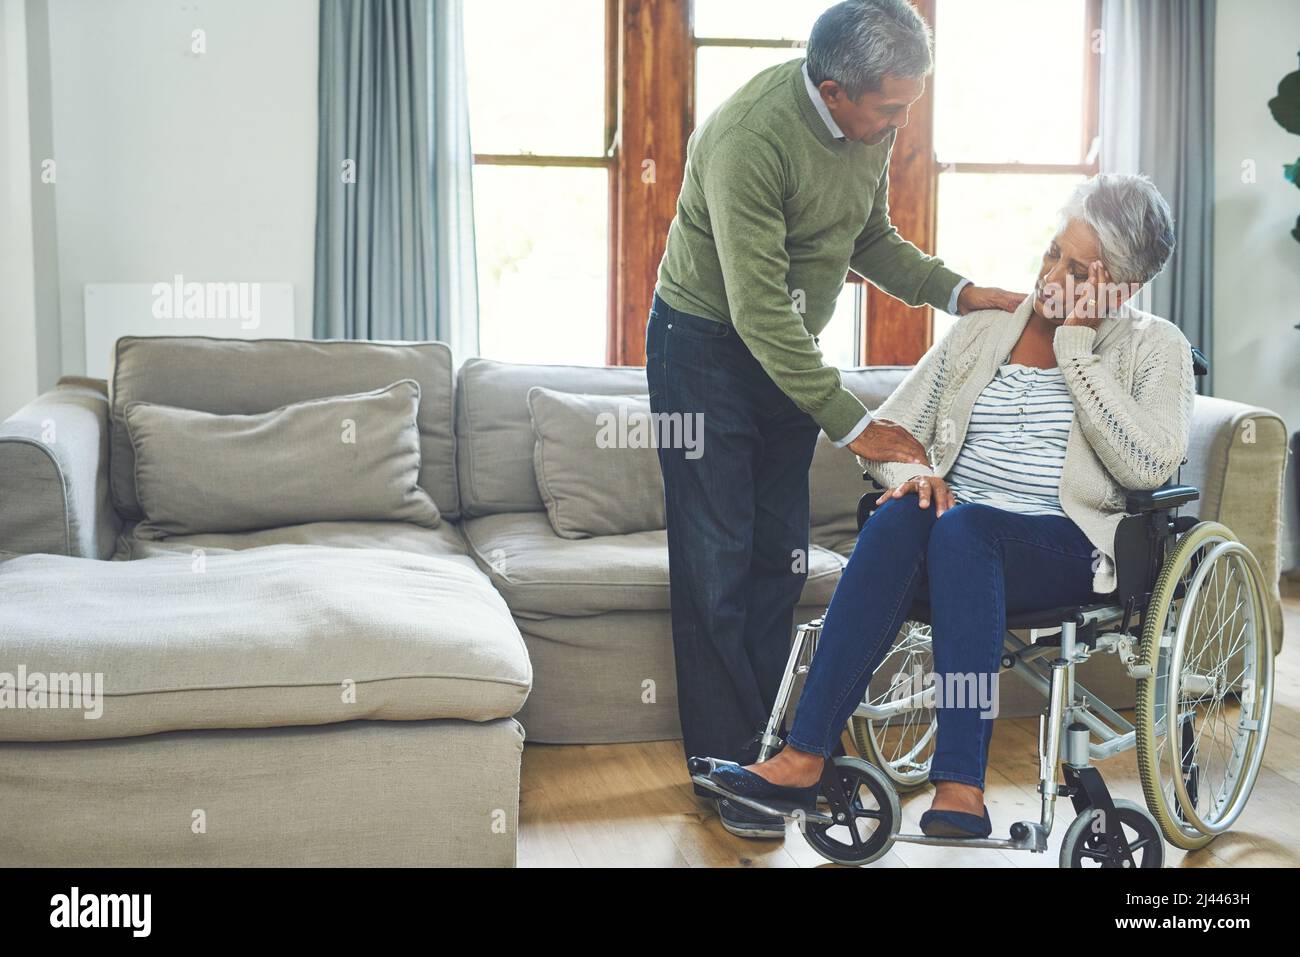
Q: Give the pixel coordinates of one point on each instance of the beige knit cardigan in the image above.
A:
(1133, 388)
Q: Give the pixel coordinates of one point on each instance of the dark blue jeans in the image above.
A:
(973, 565)
(737, 514)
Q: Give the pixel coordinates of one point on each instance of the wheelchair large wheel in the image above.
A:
(1084, 847)
(1206, 697)
(903, 745)
(867, 818)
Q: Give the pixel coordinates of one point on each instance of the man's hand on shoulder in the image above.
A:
(885, 441)
(974, 298)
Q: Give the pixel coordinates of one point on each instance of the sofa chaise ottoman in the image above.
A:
(324, 693)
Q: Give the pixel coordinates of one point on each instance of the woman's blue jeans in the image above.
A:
(973, 564)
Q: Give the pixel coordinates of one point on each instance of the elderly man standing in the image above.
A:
(785, 191)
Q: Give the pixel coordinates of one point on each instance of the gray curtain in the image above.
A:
(1157, 117)
(394, 207)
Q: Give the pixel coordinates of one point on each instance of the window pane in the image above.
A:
(1008, 81)
(994, 227)
(542, 241)
(758, 19)
(536, 76)
(721, 71)
(839, 340)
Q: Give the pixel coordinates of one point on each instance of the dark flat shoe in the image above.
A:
(744, 822)
(738, 782)
(955, 824)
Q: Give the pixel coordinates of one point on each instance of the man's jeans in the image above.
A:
(737, 518)
(973, 565)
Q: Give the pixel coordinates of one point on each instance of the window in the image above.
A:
(1015, 126)
(544, 154)
(733, 41)
(570, 232)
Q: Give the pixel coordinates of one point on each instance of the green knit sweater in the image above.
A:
(773, 213)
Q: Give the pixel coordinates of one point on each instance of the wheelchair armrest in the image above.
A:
(1136, 501)
(1141, 501)
(867, 503)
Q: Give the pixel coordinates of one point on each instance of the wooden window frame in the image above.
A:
(610, 160)
(657, 116)
(650, 50)
(896, 334)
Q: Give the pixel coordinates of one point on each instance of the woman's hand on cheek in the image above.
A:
(1098, 297)
(1087, 307)
(926, 487)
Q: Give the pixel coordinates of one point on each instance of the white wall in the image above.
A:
(1256, 352)
(17, 289)
(175, 162)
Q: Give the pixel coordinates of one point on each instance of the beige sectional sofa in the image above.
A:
(330, 693)
(564, 639)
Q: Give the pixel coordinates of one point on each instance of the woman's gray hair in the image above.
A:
(1132, 222)
(860, 42)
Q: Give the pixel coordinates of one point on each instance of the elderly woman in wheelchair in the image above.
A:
(1041, 426)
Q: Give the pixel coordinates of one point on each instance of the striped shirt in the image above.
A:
(1014, 446)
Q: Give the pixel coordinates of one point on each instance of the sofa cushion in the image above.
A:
(268, 637)
(443, 542)
(340, 458)
(540, 573)
(243, 377)
(494, 432)
(596, 463)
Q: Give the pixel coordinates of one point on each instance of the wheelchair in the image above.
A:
(1189, 624)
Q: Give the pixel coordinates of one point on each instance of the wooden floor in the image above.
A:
(631, 805)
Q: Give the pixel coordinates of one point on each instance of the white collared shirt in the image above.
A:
(822, 110)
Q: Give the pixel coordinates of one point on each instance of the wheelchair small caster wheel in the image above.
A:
(1085, 843)
(1019, 831)
(864, 812)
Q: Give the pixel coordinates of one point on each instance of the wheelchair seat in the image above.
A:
(1037, 618)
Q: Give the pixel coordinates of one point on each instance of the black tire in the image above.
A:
(1083, 847)
(873, 798)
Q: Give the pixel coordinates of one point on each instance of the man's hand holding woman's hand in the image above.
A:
(885, 441)
(925, 487)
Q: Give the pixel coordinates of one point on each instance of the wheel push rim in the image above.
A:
(1226, 621)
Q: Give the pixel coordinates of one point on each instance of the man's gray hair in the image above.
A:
(1132, 222)
(860, 42)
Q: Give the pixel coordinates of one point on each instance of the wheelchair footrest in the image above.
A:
(1033, 839)
(777, 809)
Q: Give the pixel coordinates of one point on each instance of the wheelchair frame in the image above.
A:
(1068, 700)
(1072, 717)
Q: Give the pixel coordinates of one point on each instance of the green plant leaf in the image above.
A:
(1285, 107)
(1292, 172)
(1296, 233)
